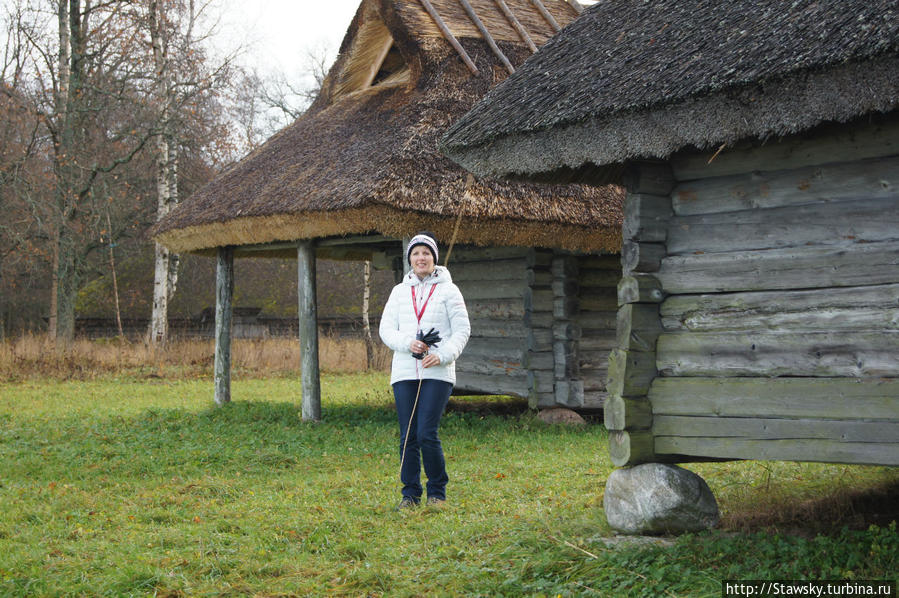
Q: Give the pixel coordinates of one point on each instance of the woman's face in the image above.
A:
(422, 261)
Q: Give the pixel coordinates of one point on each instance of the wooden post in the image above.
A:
(224, 309)
(312, 395)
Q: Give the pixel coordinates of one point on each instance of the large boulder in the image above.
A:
(560, 415)
(655, 498)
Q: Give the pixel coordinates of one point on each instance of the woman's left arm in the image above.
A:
(449, 349)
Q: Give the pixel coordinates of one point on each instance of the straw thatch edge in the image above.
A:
(771, 108)
(393, 223)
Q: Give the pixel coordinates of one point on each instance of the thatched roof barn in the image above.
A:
(361, 169)
(364, 157)
(759, 143)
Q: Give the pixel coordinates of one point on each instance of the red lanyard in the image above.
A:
(419, 314)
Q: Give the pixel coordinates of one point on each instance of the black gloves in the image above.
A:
(430, 338)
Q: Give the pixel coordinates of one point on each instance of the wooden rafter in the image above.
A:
(487, 37)
(449, 35)
(516, 24)
(376, 66)
(549, 18)
(576, 6)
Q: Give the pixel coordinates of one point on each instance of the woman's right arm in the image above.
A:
(389, 330)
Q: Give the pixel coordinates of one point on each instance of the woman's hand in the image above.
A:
(418, 347)
(429, 360)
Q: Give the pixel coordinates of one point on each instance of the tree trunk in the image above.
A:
(366, 324)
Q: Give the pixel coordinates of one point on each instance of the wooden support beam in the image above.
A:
(376, 65)
(549, 18)
(516, 24)
(224, 310)
(486, 34)
(620, 413)
(631, 448)
(640, 288)
(576, 6)
(449, 36)
(307, 309)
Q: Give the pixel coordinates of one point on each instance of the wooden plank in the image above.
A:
(599, 278)
(379, 60)
(598, 343)
(498, 289)
(511, 269)
(516, 385)
(471, 364)
(638, 327)
(595, 379)
(539, 258)
(565, 363)
(630, 373)
(627, 414)
(564, 288)
(846, 181)
(825, 451)
(611, 261)
(804, 353)
(308, 315)
(566, 308)
(508, 349)
(849, 264)
(463, 254)
(546, 15)
(847, 308)
(498, 328)
(537, 300)
(837, 143)
(540, 360)
(598, 300)
(564, 266)
(813, 224)
(817, 398)
(646, 218)
(628, 448)
(569, 393)
(566, 331)
(224, 312)
(641, 257)
(598, 321)
(776, 429)
(495, 309)
(594, 399)
(640, 288)
(650, 177)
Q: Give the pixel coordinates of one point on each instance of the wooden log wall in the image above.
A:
(760, 306)
(597, 279)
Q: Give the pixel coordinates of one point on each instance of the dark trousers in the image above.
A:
(424, 446)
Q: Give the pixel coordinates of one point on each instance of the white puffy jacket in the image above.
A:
(445, 312)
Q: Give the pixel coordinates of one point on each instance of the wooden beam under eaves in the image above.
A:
(449, 36)
(549, 18)
(486, 34)
(516, 24)
(376, 65)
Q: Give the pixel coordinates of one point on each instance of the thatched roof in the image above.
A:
(633, 79)
(364, 157)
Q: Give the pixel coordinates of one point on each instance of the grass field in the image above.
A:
(137, 485)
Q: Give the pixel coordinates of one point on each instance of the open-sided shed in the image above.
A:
(361, 170)
(759, 145)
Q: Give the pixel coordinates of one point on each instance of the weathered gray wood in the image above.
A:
(599, 278)
(594, 380)
(308, 315)
(564, 266)
(630, 373)
(831, 354)
(224, 310)
(516, 385)
(848, 308)
(769, 428)
(646, 218)
(463, 254)
(539, 320)
(565, 362)
(569, 393)
(598, 300)
(826, 145)
(488, 272)
(499, 289)
(640, 288)
(631, 447)
(621, 413)
(611, 261)
(818, 185)
(851, 264)
(495, 348)
(594, 399)
(817, 398)
(539, 278)
(654, 178)
(491, 367)
(539, 258)
(825, 451)
(598, 343)
(540, 339)
(538, 300)
(641, 257)
(540, 360)
(495, 309)
(566, 331)
(598, 321)
(566, 308)
(564, 287)
(499, 328)
(812, 224)
(638, 327)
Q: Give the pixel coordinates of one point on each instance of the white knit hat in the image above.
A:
(420, 239)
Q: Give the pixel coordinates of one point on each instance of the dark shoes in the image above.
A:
(433, 501)
(406, 503)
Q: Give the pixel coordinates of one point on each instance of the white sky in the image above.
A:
(278, 34)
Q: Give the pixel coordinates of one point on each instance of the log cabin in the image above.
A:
(361, 170)
(758, 143)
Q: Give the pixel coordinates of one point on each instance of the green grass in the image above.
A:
(132, 487)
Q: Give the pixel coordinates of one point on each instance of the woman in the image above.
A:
(426, 301)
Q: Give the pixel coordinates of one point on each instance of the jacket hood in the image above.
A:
(440, 274)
